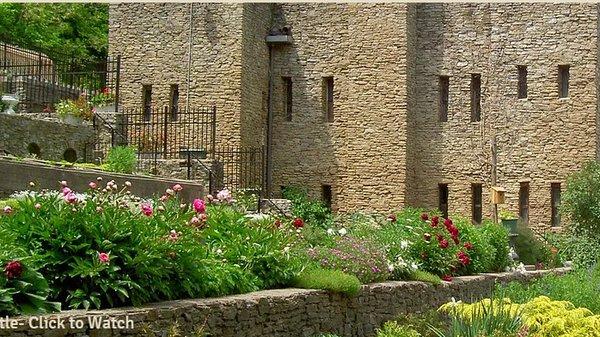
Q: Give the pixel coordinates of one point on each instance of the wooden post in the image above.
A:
(494, 174)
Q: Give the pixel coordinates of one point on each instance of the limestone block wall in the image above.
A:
(277, 313)
(153, 40)
(541, 138)
(362, 153)
(52, 136)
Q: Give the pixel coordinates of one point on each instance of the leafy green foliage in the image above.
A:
(393, 329)
(582, 251)
(78, 30)
(313, 212)
(327, 279)
(497, 237)
(579, 287)
(530, 249)
(423, 276)
(581, 201)
(122, 159)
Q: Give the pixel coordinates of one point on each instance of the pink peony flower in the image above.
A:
(92, 185)
(424, 216)
(225, 196)
(177, 188)
(447, 222)
(103, 257)
(170, 191)
(203, 217)
(8, 210)
(199, 206)
(435, 221)
(210, 198)
(66, 191)
(63, 183)
(128, 183)
(164, 198)
(194, 221)
(13, 269)
(146, 209)
(298, 223)
(444, 243)
(71, 198)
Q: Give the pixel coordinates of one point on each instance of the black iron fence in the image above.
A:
(41, 82)
(159, 133)
(239, 168)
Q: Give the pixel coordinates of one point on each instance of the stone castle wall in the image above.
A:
(385, 147)
(541, 138)
(361, 154)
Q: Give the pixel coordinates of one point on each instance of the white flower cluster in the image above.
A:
(341, 231)
(402, 265)
(518, 268)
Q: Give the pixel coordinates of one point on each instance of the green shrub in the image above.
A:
(423, 276)
(582, 251)
(581, 201)
(393, 329)
(313, 212)
(122, 159)
(423, 322)
(326, 279)
(530, 249)
(497, 236)
(481, 251)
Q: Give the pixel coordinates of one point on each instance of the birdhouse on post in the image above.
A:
(498, 195)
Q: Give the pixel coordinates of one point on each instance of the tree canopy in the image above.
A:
(76, 31)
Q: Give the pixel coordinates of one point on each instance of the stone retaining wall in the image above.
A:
(279, 313)
(18, 132)
(17, 175)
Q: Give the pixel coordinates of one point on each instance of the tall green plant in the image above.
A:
(313, 212)
(581, 201)
(122, 159)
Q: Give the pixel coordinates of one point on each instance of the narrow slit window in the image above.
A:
(555, 202)
(328, 98)
(444, 87)
(477, 205)
(147, 101)
(174, 101)
(475, 97)
(563, 81)
(524, 202)
(327, 195)
(443, 199)
(287, 82)
(522, 89)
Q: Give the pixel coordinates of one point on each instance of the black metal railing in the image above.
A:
(41, 82)
(157, 133)
(238, 169)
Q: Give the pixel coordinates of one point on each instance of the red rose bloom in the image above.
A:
(435, 221)
(424, 216)
(447, 278)
(444, 244)
(13, 269)
(298, 223)
(447, 222)
(468, 245)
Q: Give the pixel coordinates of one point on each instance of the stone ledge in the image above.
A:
(286, 312)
